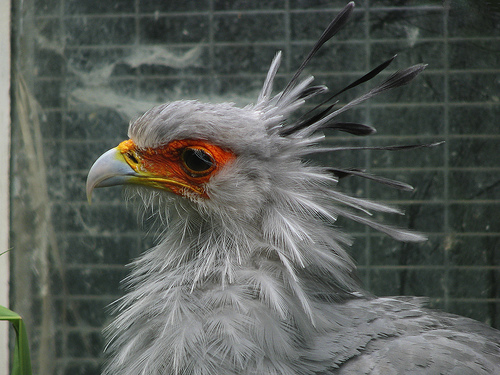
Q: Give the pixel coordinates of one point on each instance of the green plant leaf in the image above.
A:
(22, 361)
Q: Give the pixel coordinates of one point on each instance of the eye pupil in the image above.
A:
(197, 160)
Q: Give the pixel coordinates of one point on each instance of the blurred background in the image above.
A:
(82, 69)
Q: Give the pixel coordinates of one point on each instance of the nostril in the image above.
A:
(132, 157)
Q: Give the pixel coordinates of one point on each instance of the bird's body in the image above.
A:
(250, 276)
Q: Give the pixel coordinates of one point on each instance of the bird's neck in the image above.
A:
(205, 253)
(218, 288)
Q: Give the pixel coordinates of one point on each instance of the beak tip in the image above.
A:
(89, 190)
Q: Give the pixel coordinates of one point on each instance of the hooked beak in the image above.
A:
(109, 169)
(123, 165)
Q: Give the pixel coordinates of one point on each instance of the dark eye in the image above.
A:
(197, 161)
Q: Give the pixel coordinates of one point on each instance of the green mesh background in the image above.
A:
(83, 68)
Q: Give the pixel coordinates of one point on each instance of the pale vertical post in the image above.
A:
(5, 6)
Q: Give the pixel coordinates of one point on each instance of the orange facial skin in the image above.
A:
(166, 167)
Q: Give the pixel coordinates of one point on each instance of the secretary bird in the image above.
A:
(250, 275)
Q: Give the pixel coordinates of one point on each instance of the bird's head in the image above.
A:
(217, 156)
(241, 171)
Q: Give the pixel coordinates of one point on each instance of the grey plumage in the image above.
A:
(249, 275)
